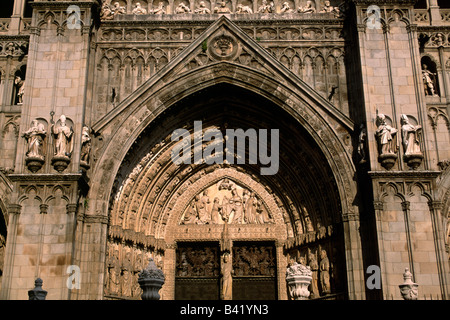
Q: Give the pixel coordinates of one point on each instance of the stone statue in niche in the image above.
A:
(35, 137)
(63, 143)
(387, 142)
(266, 8)
(308, 8)
(227, 280)
(136, 288)
(20, 84)
(138, 10)
(202, 9)
(160, 9)
(324, 273)
(411, 142)
(223, 8)
(286, 8)
(86, 144)
(63, 138)
(429, 81)
(182, 8)
(241, 9)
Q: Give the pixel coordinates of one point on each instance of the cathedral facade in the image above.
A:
(343, 168)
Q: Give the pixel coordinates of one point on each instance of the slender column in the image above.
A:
(13, 212)
(439, 247)
(406, 209)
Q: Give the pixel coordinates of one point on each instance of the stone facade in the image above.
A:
(91, 93)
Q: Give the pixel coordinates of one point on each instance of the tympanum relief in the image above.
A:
(226, 202)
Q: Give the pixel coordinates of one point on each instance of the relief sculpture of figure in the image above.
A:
(138, 9)
(241, 9)
(202, 207)
(35, 138)
(182, 8)
(117, 9)
(410, 136)
(266, 8)
(324, 272)
(236, 205)
(385, 136)
(227, 279)
(215, 211)
(286, 8)
(202, 9)
(114, 273)
(308, 8)
(63, 138)
(126, 275)
(223, 8)
(160, 9)
(106, 13)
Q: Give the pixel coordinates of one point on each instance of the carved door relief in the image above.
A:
(254, 271)
(197, 271)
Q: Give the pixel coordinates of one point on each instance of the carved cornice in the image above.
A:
(95, 219)
(17, 177)
(404, 174)
(63, 4)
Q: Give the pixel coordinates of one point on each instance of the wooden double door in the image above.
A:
(198, 271)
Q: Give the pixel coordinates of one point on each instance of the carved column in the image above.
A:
(406, 209)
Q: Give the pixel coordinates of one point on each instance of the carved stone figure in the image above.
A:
(202, 9)
(286, 8)
(160, 9)
(314, 266)
(136, 288)
(203, 212)
(266, 8)
(362, 140)
(236, 206)
(223, 8)
(241, 9)
(182, 8)
(85, 147)
(139, 10)
(410, 140)
(117, 9)
(428, 81)
(324, 272)
(63, 138)
(327, 7)
(215, 211)
(227, 279)
(385, 136)
(410, 136)
(126, 275)
(114, 273)
(35, 139)
(20, 84)
(308, 8)
(106, 13)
